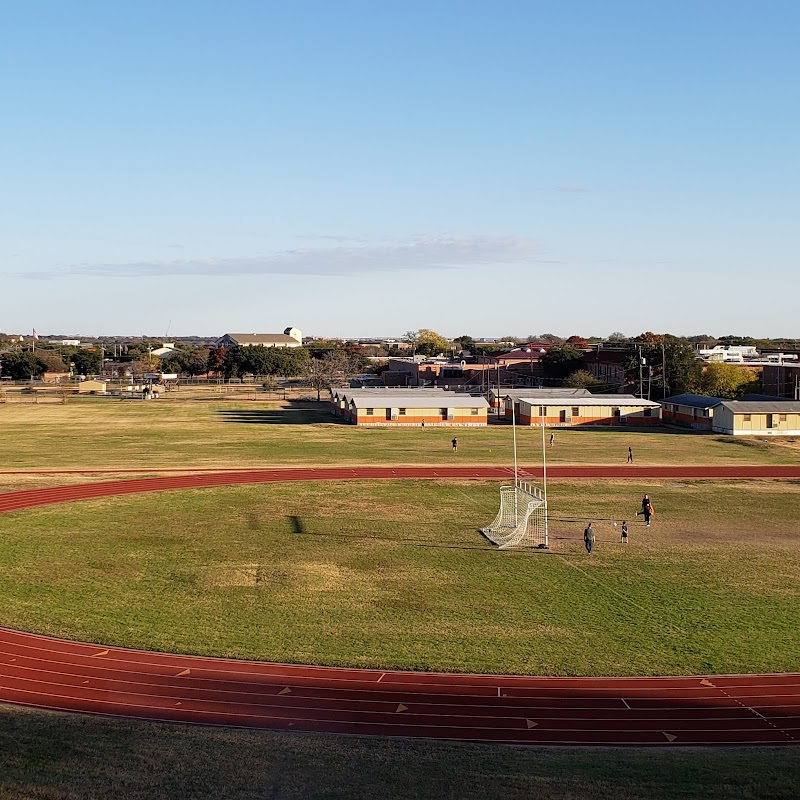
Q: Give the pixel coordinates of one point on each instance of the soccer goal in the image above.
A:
(522, 519)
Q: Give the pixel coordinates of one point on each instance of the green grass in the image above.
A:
(46, 756)
(394, 574)
(105, 433)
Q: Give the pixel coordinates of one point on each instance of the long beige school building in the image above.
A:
(757, 418)
(409, 408)
(615, 409)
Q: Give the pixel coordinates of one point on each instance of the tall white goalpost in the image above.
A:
(522, 518)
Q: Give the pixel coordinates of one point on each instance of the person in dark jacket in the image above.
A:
(588, 538)
(647, 510)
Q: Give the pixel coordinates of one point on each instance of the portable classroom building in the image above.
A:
(615, 409)
(497, 397)
(758, 418)
(407, 408)
(689, 410)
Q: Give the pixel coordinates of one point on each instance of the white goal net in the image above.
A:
(522, 519)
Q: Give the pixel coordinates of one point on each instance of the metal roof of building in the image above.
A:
(546, 391)
(385, 390)
(593, 400)
(758, 407)
(261, 338)
(693, 400)
(448, 400)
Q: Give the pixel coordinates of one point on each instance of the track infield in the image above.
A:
(703, 710)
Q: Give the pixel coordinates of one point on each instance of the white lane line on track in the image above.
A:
(391, 687)
(407, 722)
(626, 703)
(757, 714)
(513, 712)
(240, 679)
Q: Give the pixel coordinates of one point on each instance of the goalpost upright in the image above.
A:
(522, 518)
(544, 474)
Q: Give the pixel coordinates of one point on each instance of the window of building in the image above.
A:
(647, 412)
(370, 412)
(402, 412)
(782, 417)
(746, 417)
(575, 411)
(474, 412)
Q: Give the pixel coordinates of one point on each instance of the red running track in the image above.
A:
(13, 501)
(43, 672)
(722, 710)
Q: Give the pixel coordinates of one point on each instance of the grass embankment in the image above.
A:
(394, 574)
(111, 434)
(47, 756)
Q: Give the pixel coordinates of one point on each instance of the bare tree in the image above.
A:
(332, 368)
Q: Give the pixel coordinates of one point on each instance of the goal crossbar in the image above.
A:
(522, 518)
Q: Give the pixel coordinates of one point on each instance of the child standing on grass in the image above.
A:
(624, 535)
(455, 444)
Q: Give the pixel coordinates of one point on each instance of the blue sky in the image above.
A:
(366, 168)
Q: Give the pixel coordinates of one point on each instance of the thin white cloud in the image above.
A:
(421, 253)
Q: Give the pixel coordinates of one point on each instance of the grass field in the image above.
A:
(394, 574)
(111, 434)
(46, 756)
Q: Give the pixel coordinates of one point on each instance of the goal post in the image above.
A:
(522, 518)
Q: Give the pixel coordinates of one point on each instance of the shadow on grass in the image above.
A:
(73, 755)
(299, 414)
(299, 527)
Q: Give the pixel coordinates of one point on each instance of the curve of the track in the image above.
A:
(51, 673)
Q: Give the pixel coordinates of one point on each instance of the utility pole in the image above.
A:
(641, 378)
(664, 369)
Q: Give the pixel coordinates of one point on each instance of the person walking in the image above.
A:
(588, 538)
(630, 456)
(455, 444)
(423, 424)
(624, 535)
(552, 439)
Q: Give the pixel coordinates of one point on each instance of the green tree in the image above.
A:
(260, 360)
(22, 365)
(86, 362)
(427, 342)
(561, 360)
(549, 338)
(727, 380)
(580, 379)
(189, 361)
(465, 343)
(670, 366)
